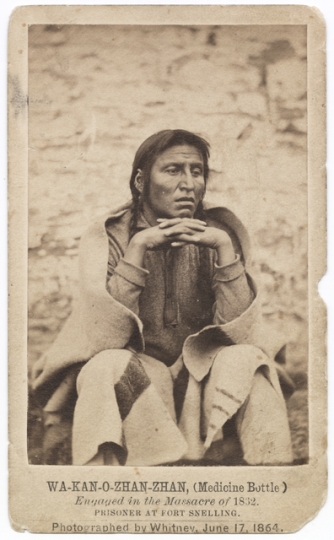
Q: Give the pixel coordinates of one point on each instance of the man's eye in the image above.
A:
(172, 170)
(197, 172)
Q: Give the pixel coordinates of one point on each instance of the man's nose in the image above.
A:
(187, 181)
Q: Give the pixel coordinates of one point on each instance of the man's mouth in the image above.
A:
(186, 199)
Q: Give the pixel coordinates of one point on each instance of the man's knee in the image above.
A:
(103, 366)
(235, 352)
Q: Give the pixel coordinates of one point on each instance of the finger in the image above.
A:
(173, 234)
(183, 229)
(163, 223)
(187, 238)
(178, 244)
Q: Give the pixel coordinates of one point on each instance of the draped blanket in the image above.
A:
(157, 415)
(99, 323)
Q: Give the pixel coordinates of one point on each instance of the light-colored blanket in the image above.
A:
(157, 415)
(99, 323)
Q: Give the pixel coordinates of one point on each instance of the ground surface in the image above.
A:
(96, 93)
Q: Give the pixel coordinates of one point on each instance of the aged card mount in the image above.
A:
(87, 85)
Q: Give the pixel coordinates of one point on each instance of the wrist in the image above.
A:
(137, 243)
(223, 241)
(225, 252)
(135, 252)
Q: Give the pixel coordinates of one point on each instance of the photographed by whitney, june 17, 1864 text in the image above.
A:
(167, 235)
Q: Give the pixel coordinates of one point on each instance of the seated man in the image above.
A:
(166, 327)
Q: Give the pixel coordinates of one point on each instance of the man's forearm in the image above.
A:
(225, 254)
(135, 253)
(126, 284)
(232, 291)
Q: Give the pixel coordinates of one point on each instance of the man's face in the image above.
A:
(176, 183)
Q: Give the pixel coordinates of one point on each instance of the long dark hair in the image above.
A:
(146, 156)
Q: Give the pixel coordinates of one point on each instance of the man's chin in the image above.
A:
(185, 213)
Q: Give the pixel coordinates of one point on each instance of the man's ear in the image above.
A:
(139, 181)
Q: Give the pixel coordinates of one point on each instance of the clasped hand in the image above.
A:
(177, 232)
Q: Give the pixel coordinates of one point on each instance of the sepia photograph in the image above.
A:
(161, 159)
(167, 237)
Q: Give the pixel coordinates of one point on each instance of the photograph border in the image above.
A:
(18, 81)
